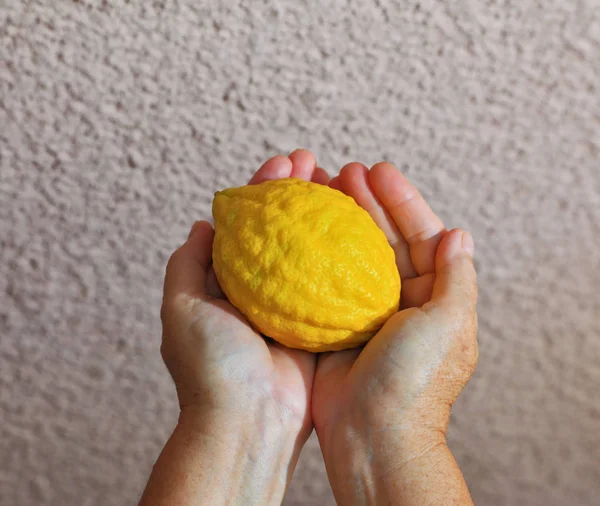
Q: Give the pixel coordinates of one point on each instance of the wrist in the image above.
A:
(236, 402)
(250, 459)
(366, 458)
(217, 457)
(242, 411)
(254, 426)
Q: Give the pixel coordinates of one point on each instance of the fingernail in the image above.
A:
(468, 244)
(297, 150)
(194, 229)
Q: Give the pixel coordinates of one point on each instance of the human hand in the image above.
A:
(245, 401)
(379, 409)
(215, 357)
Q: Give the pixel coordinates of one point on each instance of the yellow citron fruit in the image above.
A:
(304, 264)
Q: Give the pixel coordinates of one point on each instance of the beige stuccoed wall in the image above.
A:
(119, 119)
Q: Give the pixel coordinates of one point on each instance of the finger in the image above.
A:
(304, 164)
(456, 279)
(418, 224)
(335, 183)
(334, 366)
(277, 167)
(187, 267)
(320, 176)
(354, 179)
(213, 288)
(293, 367)
(289, 358)
(416, 292)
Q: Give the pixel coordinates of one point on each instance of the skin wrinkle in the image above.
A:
(400, 466)
(403, 202)
(424, 235)
(284, 413)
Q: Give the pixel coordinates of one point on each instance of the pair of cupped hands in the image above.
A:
(378, 407)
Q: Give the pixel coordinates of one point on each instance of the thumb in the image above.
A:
(456, 280)
(187, 268)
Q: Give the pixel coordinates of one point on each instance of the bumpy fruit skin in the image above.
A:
(304, 264)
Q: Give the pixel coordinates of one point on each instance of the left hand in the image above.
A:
(378, 409)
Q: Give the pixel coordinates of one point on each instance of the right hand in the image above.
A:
(378, 408)
(234, 387)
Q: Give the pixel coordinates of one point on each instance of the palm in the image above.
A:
(288, 372)
(414, 233)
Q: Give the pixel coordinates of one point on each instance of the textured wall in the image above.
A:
(119, 119)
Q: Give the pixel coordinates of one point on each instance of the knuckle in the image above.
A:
(470, 354)
(183, 304)
(163, 312)
(173, 260)
(463, 326)
(164, 350)
(178, 304)
(167, 352)
(459, 316)
(178, 308)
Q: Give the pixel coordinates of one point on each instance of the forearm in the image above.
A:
(386, 468)
(209, 461)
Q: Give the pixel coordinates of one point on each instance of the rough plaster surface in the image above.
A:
(119, 119)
